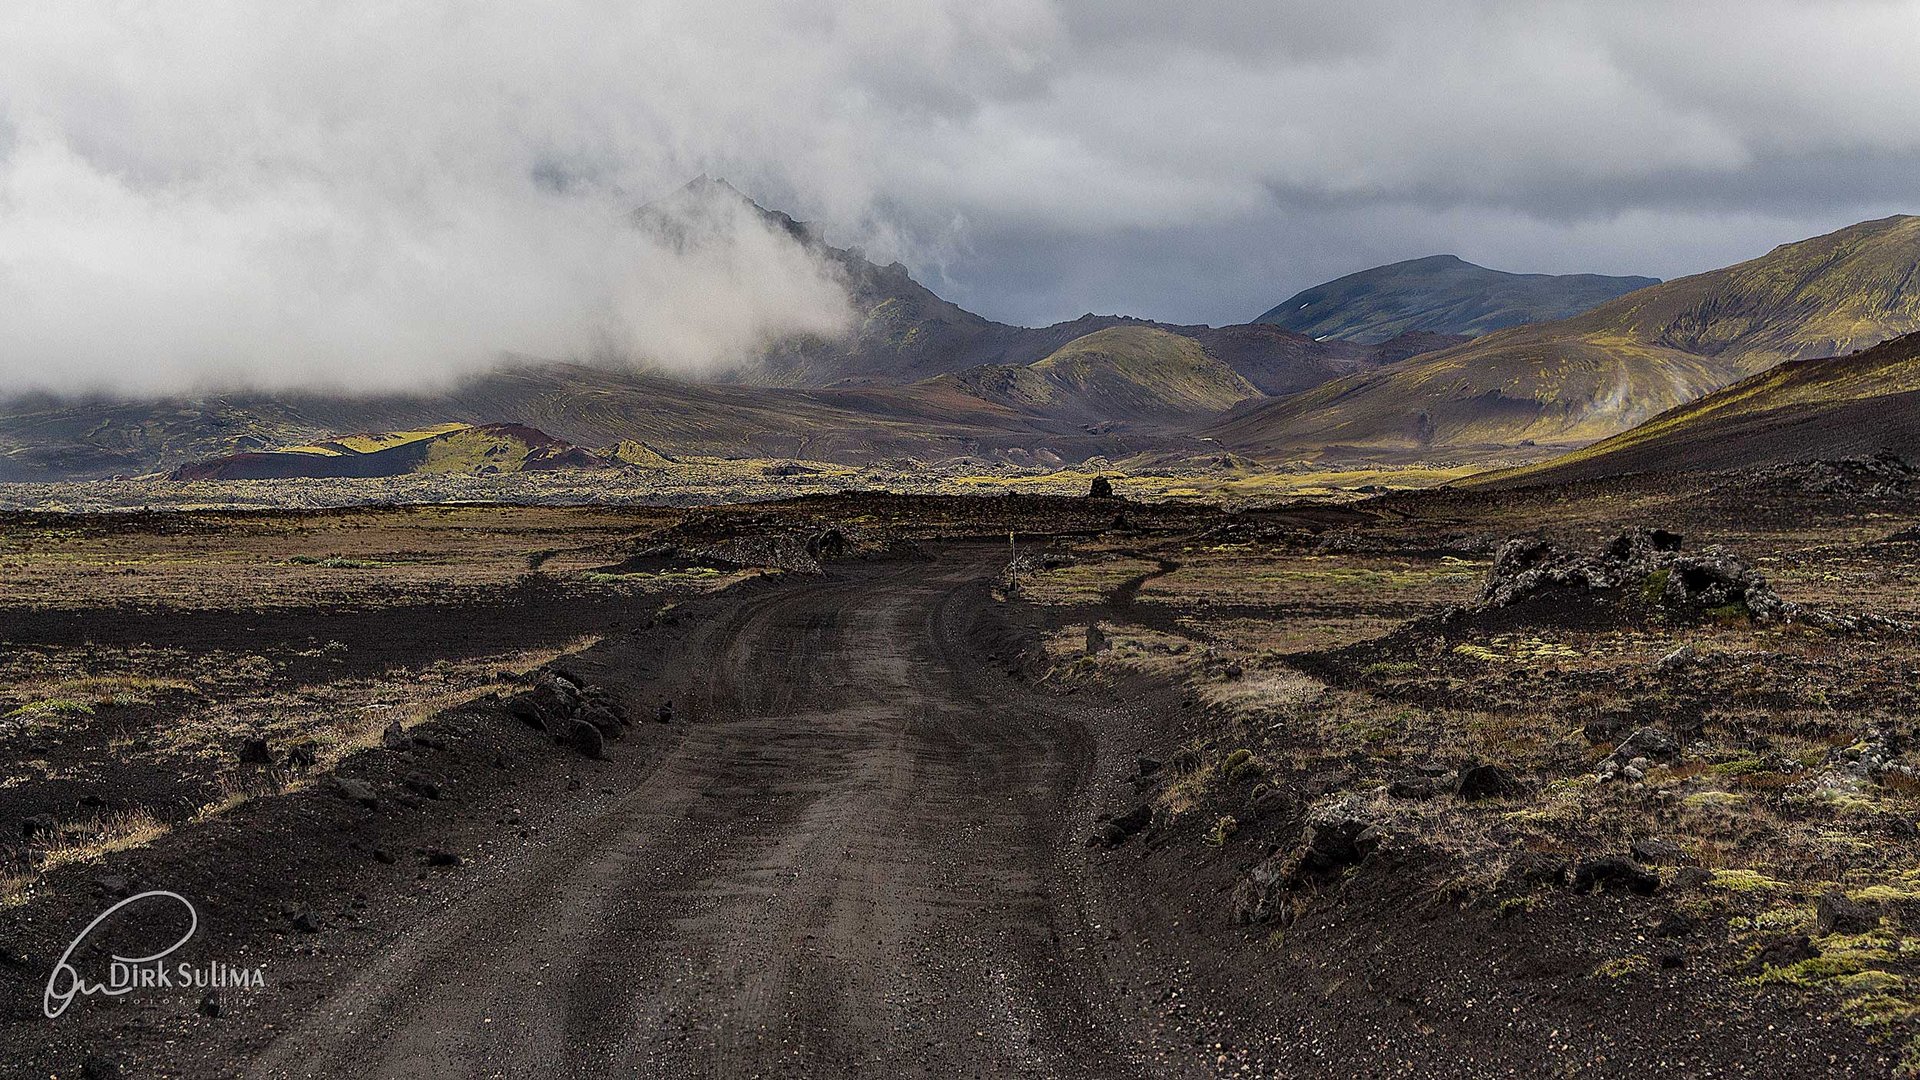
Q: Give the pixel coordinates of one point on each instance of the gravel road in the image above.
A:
(854, 863)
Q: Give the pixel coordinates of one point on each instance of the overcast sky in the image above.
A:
(216, 191)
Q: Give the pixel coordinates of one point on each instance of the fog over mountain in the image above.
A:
(213, 193)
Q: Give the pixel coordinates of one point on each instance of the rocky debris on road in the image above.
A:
(1111, 832)
(573, 712)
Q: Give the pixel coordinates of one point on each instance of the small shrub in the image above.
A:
(1222, 830)
(50, 709)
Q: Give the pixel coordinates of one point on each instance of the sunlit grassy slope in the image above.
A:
(371, 442)
(1800, 410)
(1125, 372)
(1584, 378)
(447, 449)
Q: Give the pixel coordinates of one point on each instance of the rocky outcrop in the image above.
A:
(1644, 567)
(1336, 837)
(573, 713)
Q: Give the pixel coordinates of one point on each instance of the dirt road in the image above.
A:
(856, 862)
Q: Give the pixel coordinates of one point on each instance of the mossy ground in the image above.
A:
(1307, 651)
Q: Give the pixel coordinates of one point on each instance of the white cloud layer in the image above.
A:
(212, 192)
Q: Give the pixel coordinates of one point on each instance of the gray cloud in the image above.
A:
(214, 191)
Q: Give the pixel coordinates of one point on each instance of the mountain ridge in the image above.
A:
(1571, 382)
(1440, 294)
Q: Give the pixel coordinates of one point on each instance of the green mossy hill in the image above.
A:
(1121, 373)
(1804, 410)
(1577, 380)
(449, 449)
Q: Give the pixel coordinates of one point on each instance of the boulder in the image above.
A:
(603, 718)
(1834, 913)
(1101, 488)
(255, 751)
(524, 708)
(1648, 742)
(1531, 868)
(596, 697)
(1643, 565)
(1679, 659)
(1487, 781)
(356, 791)
(423, 786)
(1782, 952)
(553, 702)
(587, 739)
(828, 544)
(1675, 924)
(114, 886)
(1614, 872)
(1116, 831)
(394, 737)
(1335, 839)
(1689, 878)
(1657, 851)
(1715, 579)
(1416, 787)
